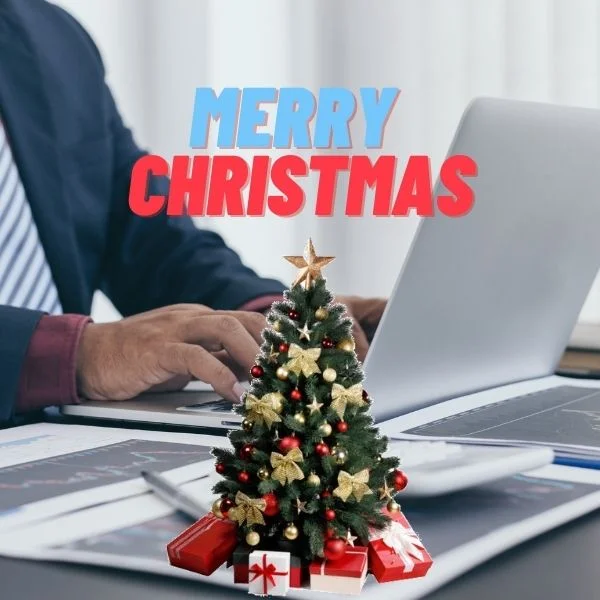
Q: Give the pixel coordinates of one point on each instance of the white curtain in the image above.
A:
(440, 53)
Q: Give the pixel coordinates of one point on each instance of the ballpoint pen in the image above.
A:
(173, 496)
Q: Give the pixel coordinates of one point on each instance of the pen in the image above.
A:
(173, 496)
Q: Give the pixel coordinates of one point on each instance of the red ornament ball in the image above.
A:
(342, 427)
(327, 343)
(243, 477)
(220, 468)
(325, 494)
(226, 505)
(288, 443)
(400, 480)
(283, 347)
(322, 449)
(272, 505)
(296, 395)
(330, 533)
(329, 514)
(257, 371)
(246, 451)
(294, 315)
(334, 549)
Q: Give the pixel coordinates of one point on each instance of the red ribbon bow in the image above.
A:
(268, 571)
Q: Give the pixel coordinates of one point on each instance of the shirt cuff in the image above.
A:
(48, 377)
(260, 304)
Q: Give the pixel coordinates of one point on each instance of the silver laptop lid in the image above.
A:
(492, 297)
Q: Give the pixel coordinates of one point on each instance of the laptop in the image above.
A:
(484, 304)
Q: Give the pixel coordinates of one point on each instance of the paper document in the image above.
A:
(48, 470)
(460, 531)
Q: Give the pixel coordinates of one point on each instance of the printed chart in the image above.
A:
(83, 470)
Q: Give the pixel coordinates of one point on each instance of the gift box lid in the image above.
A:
(352, 564)
(219, 529)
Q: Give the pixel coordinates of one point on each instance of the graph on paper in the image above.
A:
(443, 525)
(86, 469)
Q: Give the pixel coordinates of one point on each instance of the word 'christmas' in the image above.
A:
(227, 184)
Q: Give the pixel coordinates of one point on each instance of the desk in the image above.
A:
(561, 565)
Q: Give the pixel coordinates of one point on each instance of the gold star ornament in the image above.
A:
(310, 265)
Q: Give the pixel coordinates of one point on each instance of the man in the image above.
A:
(66, 230)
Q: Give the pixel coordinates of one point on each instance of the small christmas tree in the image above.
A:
(307, 467)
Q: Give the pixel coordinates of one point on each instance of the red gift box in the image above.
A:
(241, 558)
(397, 552)
(204, 546)
(344, 576)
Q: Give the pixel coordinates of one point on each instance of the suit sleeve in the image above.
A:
(163, 260)
(17, 326)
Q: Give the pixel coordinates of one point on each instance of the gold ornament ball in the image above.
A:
(321, 314)
(329, 375)
(290, 532)
(252, 538)
(216, 509)
(276, 325)
(340, 455)
(393, 506)
(278, 401)
(346, 345)
(299, 418)
(313, 479)
(247, 425)
(282, 373)
(263, 473)
(325, 429)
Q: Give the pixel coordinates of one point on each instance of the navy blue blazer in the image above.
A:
(75, 156)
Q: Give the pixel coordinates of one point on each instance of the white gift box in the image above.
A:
(269, 573)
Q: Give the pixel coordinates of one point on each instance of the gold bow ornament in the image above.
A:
(286, 468)
(303, 361)
(343, 397)
(352, 485)
(263, 410)
(247, 509)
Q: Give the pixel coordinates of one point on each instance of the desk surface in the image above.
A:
(560, 565)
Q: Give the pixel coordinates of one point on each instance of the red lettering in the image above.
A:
(415, 189)
(257, 193)
(228, 178)
(380, 175)
(145, 166)
(461, 198)
(292, 200)
(328, 167)
(185, 186)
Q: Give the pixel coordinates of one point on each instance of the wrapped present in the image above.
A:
(269, 573)
(240, 562)
(343, 576)
(204, 546)
(396, 552)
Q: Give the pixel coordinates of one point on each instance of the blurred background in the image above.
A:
(441, 54)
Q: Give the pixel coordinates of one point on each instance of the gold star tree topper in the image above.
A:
(310, 265)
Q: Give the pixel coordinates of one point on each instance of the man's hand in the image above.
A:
(366, 313)
(167, 346)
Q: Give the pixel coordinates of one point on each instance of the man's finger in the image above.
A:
(195, 361)
(217, 332)
(360, 340)
(254, 322)
(240, 372)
